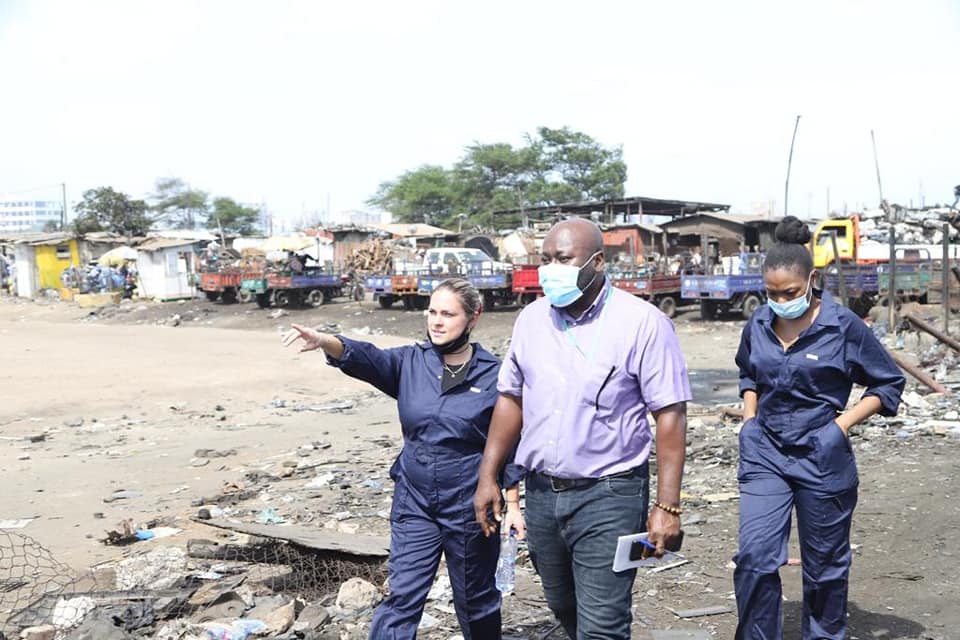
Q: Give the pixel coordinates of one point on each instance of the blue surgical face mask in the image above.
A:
(559, 282)
(793, 309)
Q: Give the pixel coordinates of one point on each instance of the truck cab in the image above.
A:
(847, 231)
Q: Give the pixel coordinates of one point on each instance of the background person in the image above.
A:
(445, 391)
(799, 356)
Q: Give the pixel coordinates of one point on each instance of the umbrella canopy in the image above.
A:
(117, 256)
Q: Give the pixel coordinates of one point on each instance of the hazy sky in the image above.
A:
(295, 102)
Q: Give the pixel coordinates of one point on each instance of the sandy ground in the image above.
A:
(150, 394)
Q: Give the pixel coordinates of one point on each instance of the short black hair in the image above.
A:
(790, 251)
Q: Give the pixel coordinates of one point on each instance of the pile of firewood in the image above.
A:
(375, 256)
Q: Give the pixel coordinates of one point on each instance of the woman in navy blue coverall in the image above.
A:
(445, 392)
(799, 356)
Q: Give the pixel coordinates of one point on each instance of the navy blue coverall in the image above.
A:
(794, 454)
(435, 475)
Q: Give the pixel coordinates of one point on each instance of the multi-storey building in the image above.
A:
(28, 215)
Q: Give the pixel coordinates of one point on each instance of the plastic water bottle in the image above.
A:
(507, 563)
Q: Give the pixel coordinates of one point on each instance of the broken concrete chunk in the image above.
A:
(357, 594)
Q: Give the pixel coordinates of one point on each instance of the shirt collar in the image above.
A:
(479, 353)
(594, 309)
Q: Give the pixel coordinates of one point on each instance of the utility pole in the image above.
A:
(786, 187)
(63, 211)
(876, 163)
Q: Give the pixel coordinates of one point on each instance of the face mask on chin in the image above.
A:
(454, 345)
(793, 309)
(561, 282)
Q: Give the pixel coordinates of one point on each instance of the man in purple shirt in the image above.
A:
(586, 364)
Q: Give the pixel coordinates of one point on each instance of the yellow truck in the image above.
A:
(851, 250)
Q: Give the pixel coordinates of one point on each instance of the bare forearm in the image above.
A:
(513, 497)
(671, 451)
(503, 435)
(331, 345)
(749, 405)
(859, 412)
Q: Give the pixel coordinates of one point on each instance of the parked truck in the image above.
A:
(282, 288)
(221, 283)
(661, 290)
(413, 284)
(741, 292)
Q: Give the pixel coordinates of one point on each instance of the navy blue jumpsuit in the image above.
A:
(794, 454)
(435, 476)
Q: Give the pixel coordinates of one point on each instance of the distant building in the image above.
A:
(17, 216)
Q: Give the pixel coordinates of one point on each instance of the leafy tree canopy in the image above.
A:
(178, 204)
(104, 209)
(233, 217)
(553, 166)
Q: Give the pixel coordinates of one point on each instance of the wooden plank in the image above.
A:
(318, 539)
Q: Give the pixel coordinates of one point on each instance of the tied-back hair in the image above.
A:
(790, 251)
(466, 293)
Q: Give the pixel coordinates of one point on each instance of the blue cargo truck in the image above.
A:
(721, 294)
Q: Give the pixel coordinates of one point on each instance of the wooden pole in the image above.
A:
(946, 281)
(918, 373)
(842, 286)
(786, 186)
(951, 342)
(892, 287)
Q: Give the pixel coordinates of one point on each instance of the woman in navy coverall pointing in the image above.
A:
(445, 393)
(799, 357)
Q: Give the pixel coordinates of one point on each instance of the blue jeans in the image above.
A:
(572, 537)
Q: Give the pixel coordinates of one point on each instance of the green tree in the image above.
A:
(233, 217)
(554, 165)
(577, 167)
(178, 204)
(426, 194)
(105, 209)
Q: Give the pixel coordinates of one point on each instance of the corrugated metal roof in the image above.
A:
(415, 230)
(156, 244)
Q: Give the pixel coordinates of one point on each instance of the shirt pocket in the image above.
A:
(819, 368)
(598, 391)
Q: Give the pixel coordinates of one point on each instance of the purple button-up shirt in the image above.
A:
(588, 383)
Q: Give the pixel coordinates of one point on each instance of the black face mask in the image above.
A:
(453, 346)
(587, 276)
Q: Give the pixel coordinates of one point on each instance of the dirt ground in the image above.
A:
(153, 383)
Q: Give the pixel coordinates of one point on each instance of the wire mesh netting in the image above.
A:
(207, 581)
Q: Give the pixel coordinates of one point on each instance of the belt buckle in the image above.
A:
(560, 484)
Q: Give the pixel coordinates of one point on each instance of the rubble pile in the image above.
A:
(912, 226)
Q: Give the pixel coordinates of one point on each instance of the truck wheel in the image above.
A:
(668, 306)
(423, 302)
(708, 309)
(315, 298)
(281, 298)
(750, 304)
(385, 301)
(229, 296)
(245, 296)
(263, 300)
(409, 303)
(212, 295)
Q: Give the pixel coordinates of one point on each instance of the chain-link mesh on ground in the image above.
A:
(207, 581)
